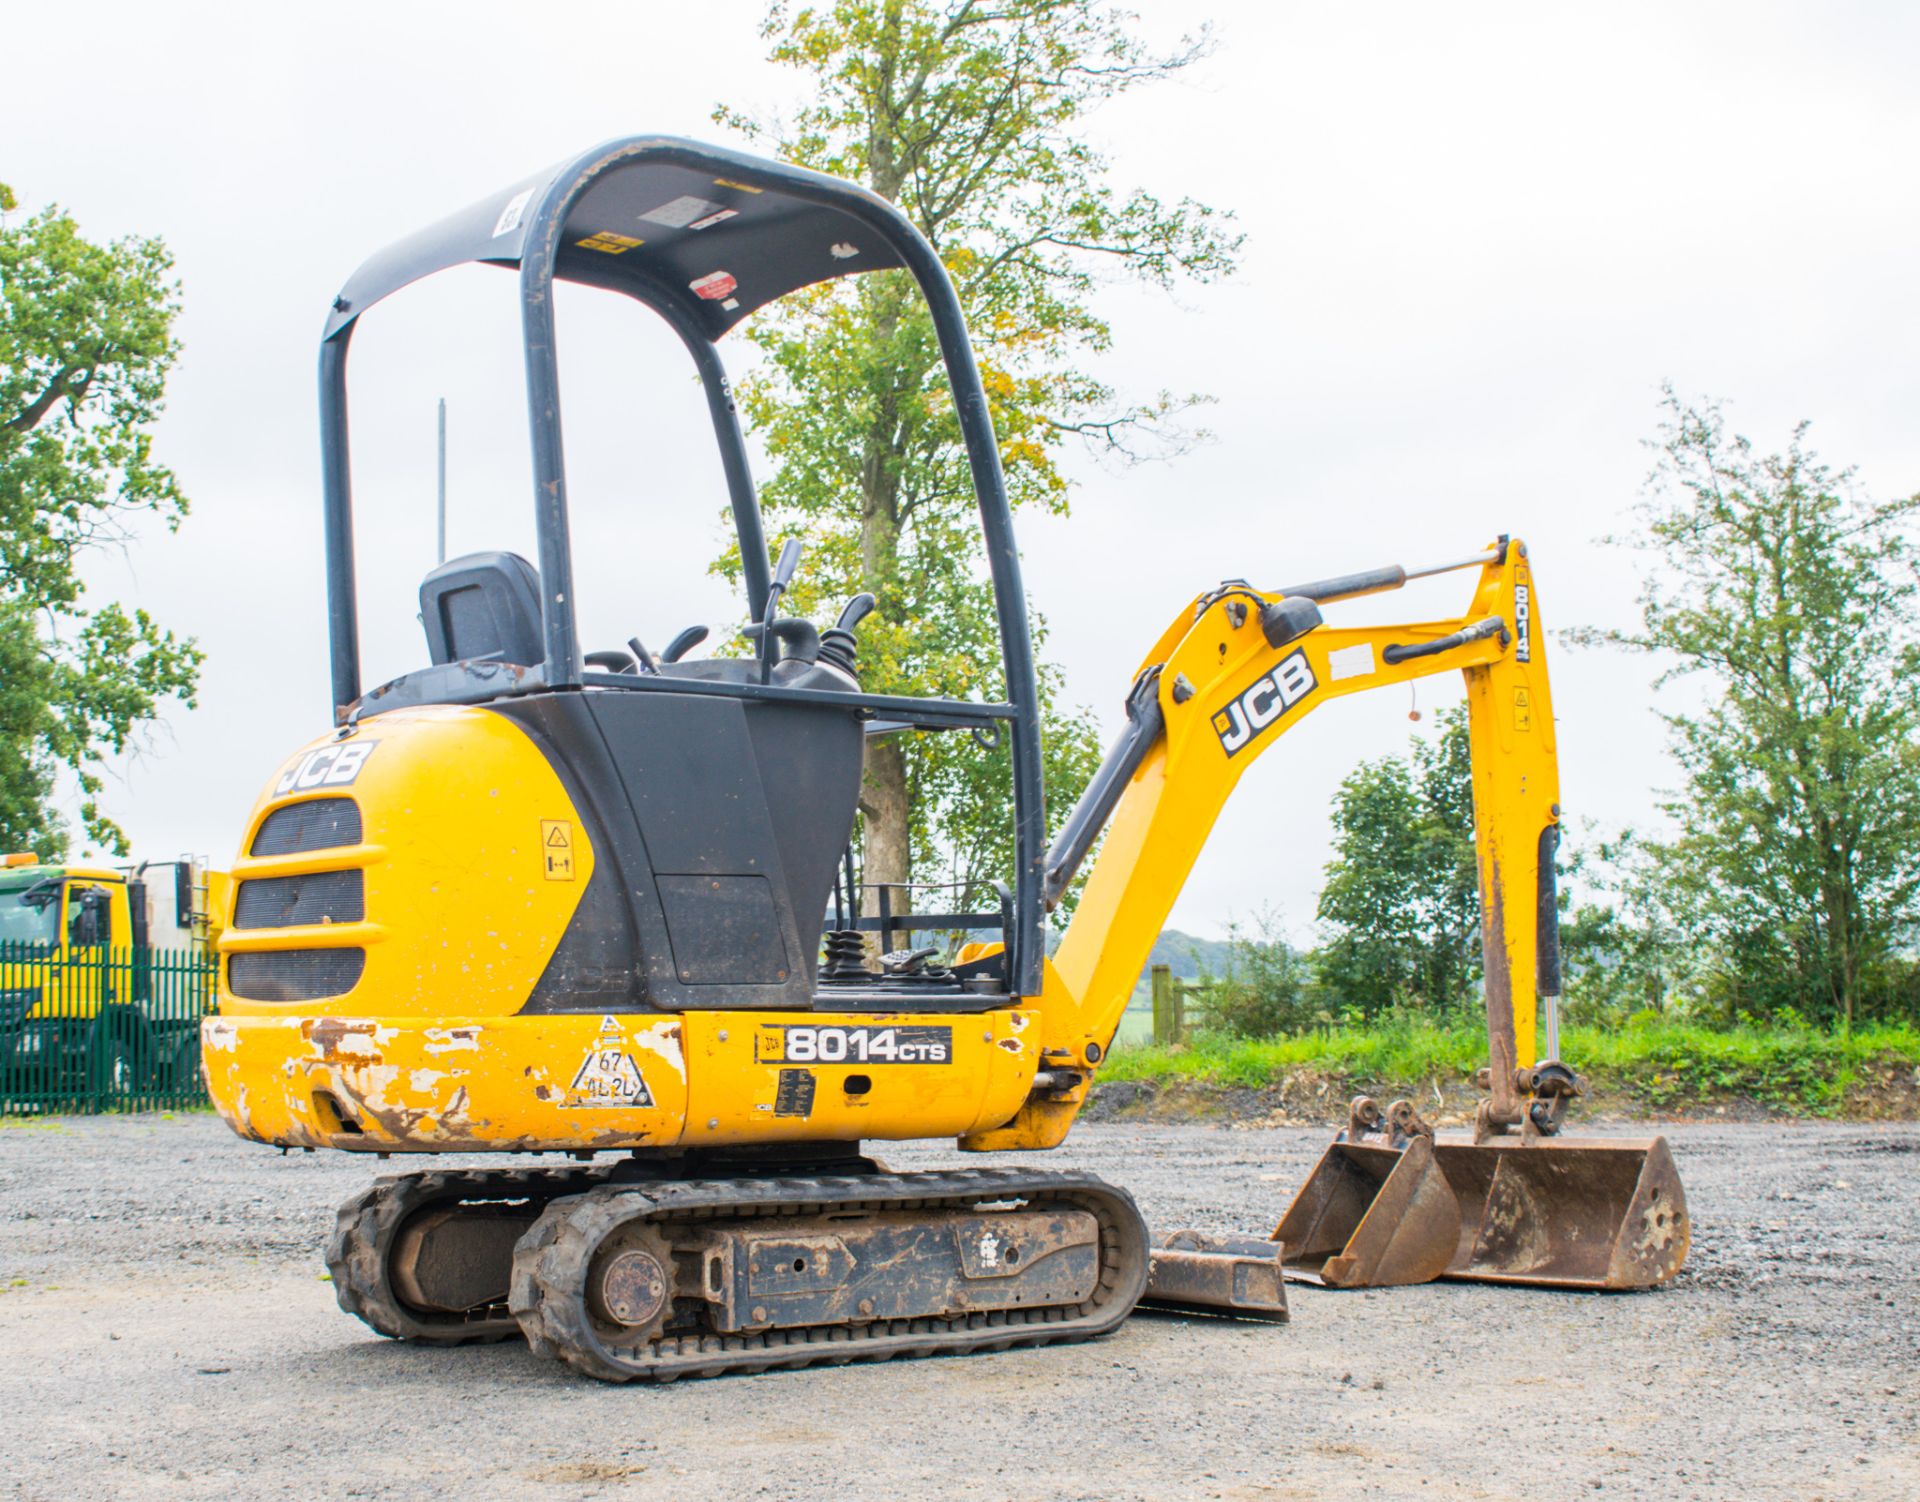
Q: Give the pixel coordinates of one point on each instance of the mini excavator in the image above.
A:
(530, 899)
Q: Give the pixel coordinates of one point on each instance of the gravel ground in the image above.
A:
(171, 1336)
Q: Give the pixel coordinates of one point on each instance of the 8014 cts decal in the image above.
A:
(808, 1043)
(1262, 704)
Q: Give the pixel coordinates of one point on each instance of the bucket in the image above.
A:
(1590, 1213)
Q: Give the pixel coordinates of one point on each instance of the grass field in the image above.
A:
(1660, 1065)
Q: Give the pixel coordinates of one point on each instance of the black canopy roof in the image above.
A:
(697, 231)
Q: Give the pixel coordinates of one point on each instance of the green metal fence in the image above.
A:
(99, 1029)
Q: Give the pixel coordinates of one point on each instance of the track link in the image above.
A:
(359, 1253)
(554, 1261)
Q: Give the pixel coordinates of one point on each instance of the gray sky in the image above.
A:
(1478, 238)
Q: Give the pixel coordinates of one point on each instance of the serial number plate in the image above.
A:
(807, 1043)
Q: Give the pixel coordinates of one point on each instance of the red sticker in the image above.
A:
(714, 285)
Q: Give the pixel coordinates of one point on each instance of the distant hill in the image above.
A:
(1188, 957)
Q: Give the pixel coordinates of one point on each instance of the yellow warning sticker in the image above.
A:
(612, 244)
(556, 846)
(1522, 709)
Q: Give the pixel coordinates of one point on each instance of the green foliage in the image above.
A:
(1266, 988)
(86, 341)
(1651, 1064)
(971, 118)
(1796, 871)
(1621, 951)
(1401, 900)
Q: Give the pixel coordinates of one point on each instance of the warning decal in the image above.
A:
(556, 848)
(684, 210)
(1522, 709)
(612, 244)
(714, 285)
(512, 213)
(608, 1078)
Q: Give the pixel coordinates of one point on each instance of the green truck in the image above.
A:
(105, 973)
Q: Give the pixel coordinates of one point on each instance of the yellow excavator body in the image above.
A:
(532, 899)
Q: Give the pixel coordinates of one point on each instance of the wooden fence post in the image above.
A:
(1165, 1028)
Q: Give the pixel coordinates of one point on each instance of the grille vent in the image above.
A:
(317, 824)
(295, 974)
(289, 901)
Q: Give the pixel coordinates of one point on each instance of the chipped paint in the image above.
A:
(337, 1039)
(663, 1041)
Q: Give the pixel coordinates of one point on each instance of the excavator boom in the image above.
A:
(1390, 1202)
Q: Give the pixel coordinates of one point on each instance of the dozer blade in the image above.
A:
(1234, 1277)
(1552, 1212)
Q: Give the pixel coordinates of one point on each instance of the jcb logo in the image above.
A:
(329, 767)
(1261, 705)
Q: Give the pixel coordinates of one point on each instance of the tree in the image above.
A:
(1622, 950)
(970, 118)
(1402, 897)
(86, 341)
(1266, 990)
(1793, 597)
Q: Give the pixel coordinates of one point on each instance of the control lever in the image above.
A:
(642, 656)
(684, 643)
(783, 573)
(784, 570)
(858, 609)
(799, 636)
(837, 645)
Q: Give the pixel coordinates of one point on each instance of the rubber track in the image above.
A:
(366, 1225)
(551, 1262)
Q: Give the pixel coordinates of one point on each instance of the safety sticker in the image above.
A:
(714, 286)
(510, 216)
(556, 848)
(1522, 709)
(609, 1078)
(612, 244)
(329, 767)
(712, 219)
(840, 250)
(678, 213)
(725, 182)
(793, 1096)
(805, 1043)
(1351, 662)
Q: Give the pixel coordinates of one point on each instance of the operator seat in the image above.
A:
(483, 606)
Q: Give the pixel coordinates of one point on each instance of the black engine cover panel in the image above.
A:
(717, 825)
